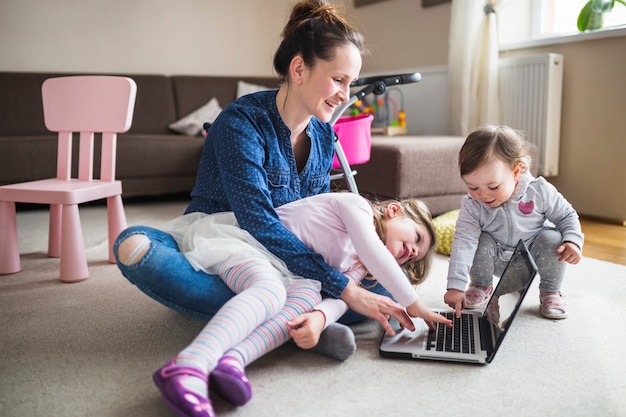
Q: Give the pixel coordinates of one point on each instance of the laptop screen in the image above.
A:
(509, 292)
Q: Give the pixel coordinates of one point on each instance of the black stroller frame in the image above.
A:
(376, 85)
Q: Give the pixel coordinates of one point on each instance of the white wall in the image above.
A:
(214, 37)
(141, 36)
(402, 34)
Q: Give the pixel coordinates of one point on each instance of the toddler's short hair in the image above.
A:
(486, 143)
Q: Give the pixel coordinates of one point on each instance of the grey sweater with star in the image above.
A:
(523, 216)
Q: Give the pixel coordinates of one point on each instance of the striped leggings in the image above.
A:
(253, 322)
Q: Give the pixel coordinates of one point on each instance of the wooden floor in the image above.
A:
(604, 241)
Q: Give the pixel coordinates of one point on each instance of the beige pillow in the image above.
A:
(192, 124)
(244, 88)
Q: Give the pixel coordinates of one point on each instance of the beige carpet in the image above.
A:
(89, 349)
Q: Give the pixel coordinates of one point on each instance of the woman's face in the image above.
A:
(327, 84)
(406, 239)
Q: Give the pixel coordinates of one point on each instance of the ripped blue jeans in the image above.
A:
(164, 274)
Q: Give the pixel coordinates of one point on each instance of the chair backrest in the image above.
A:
(88, 104)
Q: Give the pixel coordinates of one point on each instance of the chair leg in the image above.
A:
(73, 259)
(116, 220)
(9, 244)
(54, 231)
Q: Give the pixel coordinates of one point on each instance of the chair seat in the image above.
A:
(54, 191)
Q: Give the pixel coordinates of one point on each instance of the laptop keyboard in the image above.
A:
(458, 338)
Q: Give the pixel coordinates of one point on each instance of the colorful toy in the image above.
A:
(385, 110)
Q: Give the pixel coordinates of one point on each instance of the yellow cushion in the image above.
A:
(444, 227)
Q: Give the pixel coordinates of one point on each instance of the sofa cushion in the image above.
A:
(21, 108)
(193, 123)
(29, 158)
(154, 105)
(244, 88)
(163, 157)
(424, 167)
(191, 92)
(410, 166)
(168, 165)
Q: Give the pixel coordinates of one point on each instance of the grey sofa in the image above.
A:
(151, 158)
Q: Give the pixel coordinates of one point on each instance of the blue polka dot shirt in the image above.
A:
(248, 167)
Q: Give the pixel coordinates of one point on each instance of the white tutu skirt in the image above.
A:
(208, 239)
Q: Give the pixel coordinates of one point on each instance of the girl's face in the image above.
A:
(493, 182)
(326, 85)
(406, 239)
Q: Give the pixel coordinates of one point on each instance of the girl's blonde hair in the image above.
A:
(417, 211)
(486, 143)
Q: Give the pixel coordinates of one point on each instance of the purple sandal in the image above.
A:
(182, 401)
(229, 381)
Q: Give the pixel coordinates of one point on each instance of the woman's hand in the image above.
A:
(376, 306)
(305, 330)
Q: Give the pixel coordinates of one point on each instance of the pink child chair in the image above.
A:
(84, 104)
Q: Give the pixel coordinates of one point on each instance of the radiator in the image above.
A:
(530, 101)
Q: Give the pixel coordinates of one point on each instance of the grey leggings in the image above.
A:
(491, 260)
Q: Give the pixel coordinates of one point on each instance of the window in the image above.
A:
(523, 21)
(559, 17)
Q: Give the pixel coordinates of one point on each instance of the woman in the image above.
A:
(264, 150)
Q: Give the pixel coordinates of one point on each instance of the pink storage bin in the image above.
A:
(355, 136)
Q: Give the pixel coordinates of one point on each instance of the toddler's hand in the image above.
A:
(456, 300)
(569, 252)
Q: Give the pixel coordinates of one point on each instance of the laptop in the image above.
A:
(476, 336)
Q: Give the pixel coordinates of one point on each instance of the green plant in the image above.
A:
(590, 16)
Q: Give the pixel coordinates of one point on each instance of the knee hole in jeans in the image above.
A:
(133, 248)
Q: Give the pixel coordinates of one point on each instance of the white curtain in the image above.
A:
(473, 65)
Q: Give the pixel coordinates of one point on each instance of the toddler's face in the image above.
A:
(492, 183)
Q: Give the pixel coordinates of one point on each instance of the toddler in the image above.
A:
(505, 203)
